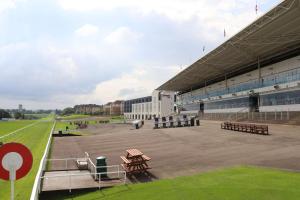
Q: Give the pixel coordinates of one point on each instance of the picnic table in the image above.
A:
(135, 161)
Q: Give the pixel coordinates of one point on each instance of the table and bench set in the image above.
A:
(249, 128)
(135, 161)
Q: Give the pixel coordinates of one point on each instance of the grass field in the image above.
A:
(35, 138)
(72, 128)
(10, 126)
(238, 183)
(36, 116)
(75, 116)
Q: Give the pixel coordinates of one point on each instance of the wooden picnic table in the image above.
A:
(131, 153)
(135, 161)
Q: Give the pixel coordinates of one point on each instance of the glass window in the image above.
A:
(283, 98)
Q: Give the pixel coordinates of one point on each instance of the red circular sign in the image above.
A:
(24, 152)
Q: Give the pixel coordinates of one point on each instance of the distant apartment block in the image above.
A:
(91, 109)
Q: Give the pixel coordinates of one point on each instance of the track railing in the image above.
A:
(43, 164)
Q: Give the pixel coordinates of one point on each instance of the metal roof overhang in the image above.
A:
(274, 36)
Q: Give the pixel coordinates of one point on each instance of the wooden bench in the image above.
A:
(262, 129)
(136, 170)
(249, 128)
(146, 158)
(125, 160)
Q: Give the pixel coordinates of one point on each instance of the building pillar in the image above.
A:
(259, 72)
(226, 83)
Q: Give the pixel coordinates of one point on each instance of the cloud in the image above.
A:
(123, 35)
(87, 30)
(94, 51)
(6, 4)
(140, 82)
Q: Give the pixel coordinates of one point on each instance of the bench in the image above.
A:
(249, 128)
(146, 158)
(125, 160)
(262, 129)
(135, 170)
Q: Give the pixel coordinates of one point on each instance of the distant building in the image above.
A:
(90, 109)
(114, 108)
(160, 104)
(117, 108)
(106, 108)
(20, 109)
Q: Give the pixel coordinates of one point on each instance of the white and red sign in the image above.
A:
(15, 161)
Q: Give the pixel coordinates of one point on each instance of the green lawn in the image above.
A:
(62, 126)
(75, 116)
(238, 183)
(117, 119)
(36, 116)
(10, 126)
(35, 138)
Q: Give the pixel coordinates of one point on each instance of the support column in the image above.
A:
(259, 71)
(205, 90)
(226, 83)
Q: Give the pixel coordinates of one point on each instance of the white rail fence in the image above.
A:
(37, 183)
(113, 173)
(250, 116)
(99, 181)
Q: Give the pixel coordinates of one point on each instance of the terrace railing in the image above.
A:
(100, 182)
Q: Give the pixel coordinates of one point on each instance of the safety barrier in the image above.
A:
(37, 183)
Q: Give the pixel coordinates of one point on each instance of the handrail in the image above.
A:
(82, 174)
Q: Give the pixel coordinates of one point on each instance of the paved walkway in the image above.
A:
(187, 150)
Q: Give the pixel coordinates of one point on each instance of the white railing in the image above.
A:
(69, 176)
(91, 167)
(37, 183)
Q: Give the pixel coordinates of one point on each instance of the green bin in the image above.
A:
(101, 166)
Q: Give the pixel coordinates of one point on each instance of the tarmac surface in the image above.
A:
(187, 150)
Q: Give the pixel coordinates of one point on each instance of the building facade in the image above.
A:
(274, 88)
(114, 108)
(117, 108)
(256, 70)
(91, 109)
(160, 104)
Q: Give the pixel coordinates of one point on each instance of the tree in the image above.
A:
(19, 115)
(68, 111)
(4, 114)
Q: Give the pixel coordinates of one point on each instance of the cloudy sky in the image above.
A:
(58, 53)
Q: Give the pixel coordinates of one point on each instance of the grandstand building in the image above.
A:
(256, 70)
(160, 104)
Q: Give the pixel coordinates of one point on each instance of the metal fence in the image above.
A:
(70, 180)
(277, 116)
(66, 172)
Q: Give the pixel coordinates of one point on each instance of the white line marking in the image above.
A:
(29, 125)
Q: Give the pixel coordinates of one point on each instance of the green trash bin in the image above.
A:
(101, 166)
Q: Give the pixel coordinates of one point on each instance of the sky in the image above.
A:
(59, 53)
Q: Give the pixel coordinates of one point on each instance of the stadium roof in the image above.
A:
(271, 37)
